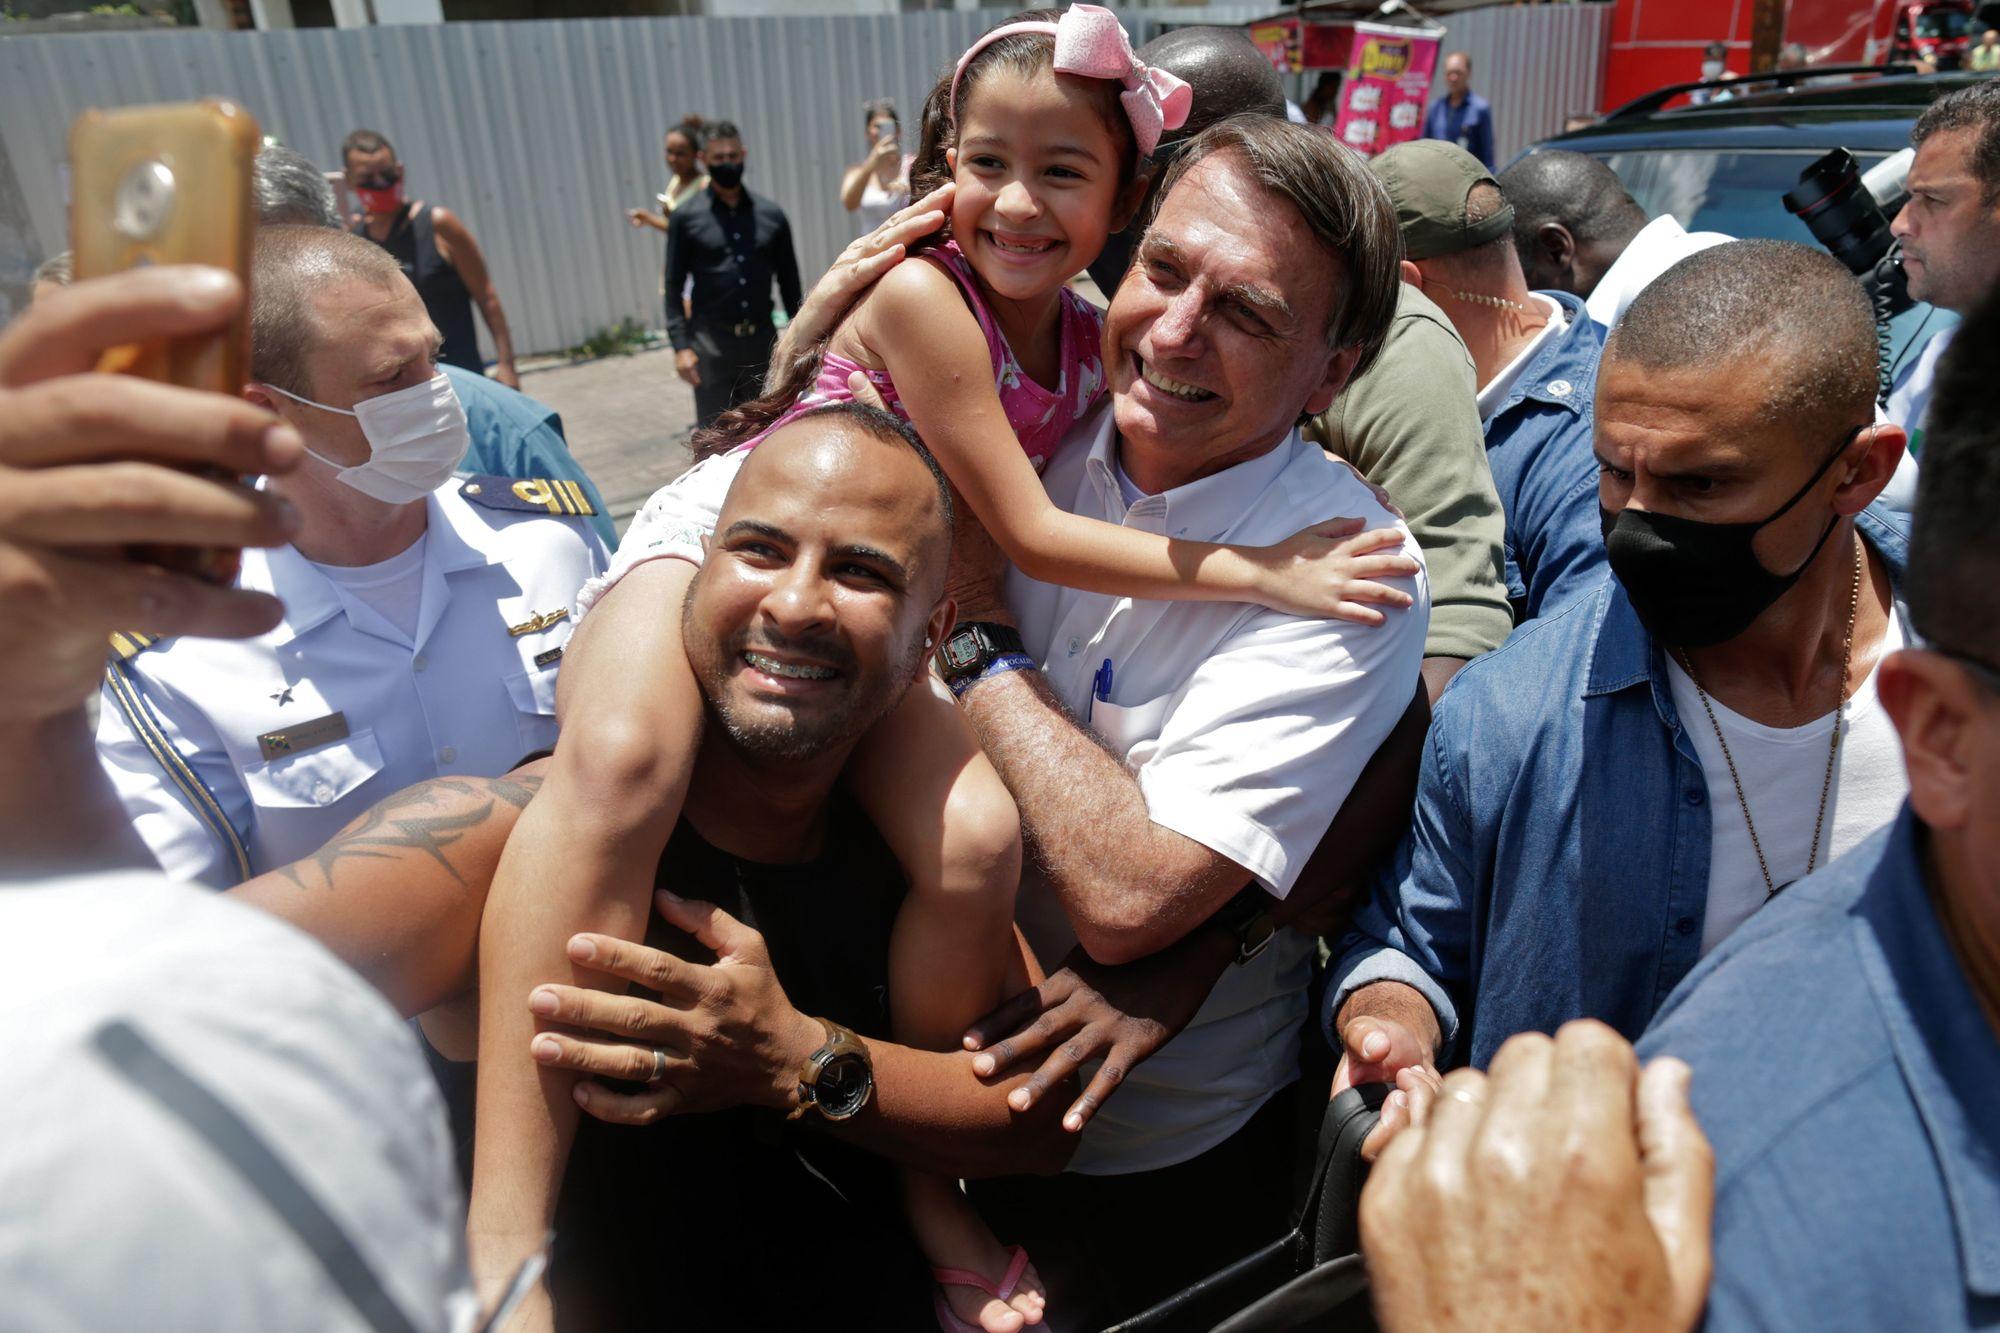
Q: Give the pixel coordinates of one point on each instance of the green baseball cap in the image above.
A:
(1429, 181)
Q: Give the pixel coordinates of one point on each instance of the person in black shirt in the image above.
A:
(734, 244)
(437, 253)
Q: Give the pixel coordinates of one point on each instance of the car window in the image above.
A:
(1737, 194)
(1943, 23)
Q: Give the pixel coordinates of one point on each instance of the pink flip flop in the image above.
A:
(948, 1319)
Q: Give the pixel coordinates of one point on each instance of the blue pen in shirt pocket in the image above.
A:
(1100, 686)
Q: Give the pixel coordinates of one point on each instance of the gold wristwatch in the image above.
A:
(838, 1078)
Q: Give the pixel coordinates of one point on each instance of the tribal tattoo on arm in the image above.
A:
(425, 820)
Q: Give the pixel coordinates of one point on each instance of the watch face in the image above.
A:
(843, 1086)
(961, 651)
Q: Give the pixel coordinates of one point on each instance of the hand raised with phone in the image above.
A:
(93, 463)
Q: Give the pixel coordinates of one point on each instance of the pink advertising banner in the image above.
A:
(1388, 82)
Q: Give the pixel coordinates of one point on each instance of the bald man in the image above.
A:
(1862, 1010)
(1618, 788)
(1577, 230)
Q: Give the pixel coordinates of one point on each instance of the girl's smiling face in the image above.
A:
(1038, 173)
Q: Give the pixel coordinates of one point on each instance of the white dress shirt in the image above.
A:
(1246, 729)
(118, 1210)
(472, 691)
(1660, 244)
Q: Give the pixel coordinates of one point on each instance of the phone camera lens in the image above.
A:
(145, 197)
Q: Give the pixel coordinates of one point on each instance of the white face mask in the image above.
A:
(1711, 69)
(416, 439)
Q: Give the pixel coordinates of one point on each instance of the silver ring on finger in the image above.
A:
(659, 1066)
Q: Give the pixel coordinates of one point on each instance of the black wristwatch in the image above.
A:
(838, 1077)
(1247, 916)
(976, 646)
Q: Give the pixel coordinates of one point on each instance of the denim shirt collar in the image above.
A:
(1564, 373)
(1624, 655)
(1947, 1051)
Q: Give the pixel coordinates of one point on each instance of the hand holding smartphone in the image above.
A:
(170, 184)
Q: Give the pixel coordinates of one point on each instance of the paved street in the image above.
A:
(627, 419)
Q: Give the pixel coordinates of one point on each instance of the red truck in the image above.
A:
(1657, 42)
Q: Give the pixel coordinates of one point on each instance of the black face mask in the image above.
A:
(728, 175)
(1696, 583)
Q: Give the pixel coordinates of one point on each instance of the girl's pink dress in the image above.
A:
(1041, 417)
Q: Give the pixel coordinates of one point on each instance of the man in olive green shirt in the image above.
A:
(1411, 426)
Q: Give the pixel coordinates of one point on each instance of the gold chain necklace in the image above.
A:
(1832, 748)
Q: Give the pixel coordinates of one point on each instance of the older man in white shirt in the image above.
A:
(1177, 763)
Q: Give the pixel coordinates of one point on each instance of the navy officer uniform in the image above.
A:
(233, 757)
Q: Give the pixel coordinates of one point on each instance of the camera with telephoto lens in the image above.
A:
(1849, 213)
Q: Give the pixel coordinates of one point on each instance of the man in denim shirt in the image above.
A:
(1846, 1044)
(1535, 356)
(1587, 789)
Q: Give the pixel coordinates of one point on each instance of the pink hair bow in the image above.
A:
(1091, 44)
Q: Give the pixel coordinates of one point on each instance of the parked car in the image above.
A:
(1725, 165)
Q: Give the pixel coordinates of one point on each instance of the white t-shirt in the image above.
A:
(1494, 392)
(393, 588)
(1660, 244)
(1910, 398)
(1781, 769)
(879, 201)
(1246, 728)
(116, 1211)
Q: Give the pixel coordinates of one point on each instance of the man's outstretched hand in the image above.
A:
(1564, 1189)
(1388, 1034)
(1087, 1011)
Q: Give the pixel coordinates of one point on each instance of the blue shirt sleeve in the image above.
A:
(1563, 556)
(1479, 133)
(1417, 925)
(1434, 126)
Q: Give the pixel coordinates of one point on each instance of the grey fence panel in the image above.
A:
(541, 134)
(1537, 64)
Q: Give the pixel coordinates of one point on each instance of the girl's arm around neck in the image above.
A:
(915, 323)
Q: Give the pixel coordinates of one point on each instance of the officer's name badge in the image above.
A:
(305, 736)
(540, 621)
(553, 655)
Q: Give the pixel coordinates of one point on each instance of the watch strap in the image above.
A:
(973, 646)
(1247, 916)
(999, 666)
(840, 1041)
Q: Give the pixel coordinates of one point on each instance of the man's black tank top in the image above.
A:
(413, 242)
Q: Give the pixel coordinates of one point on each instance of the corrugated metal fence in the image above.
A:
(540, 134)
(1537, 64)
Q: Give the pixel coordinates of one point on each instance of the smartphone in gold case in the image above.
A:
(170, 184)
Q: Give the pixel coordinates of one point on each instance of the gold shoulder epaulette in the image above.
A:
(128, 644)
(535, 495)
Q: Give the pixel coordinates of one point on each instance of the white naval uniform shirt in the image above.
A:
(461, 695)
(1246, 728)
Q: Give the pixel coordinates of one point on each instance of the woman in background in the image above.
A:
(878, 184)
